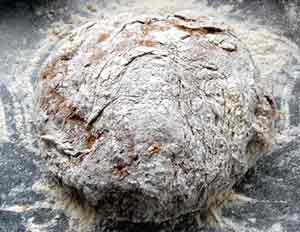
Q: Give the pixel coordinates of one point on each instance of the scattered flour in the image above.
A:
(3, 128)
(271, 52)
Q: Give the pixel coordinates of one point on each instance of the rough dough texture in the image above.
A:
(152, 119)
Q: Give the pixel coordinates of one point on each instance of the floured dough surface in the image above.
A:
(152, 119)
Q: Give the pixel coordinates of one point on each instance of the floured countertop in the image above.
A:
(29, 30)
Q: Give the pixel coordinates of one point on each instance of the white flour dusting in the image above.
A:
(271, 52)
(3, 127)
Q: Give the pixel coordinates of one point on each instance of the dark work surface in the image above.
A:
(23, 24)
